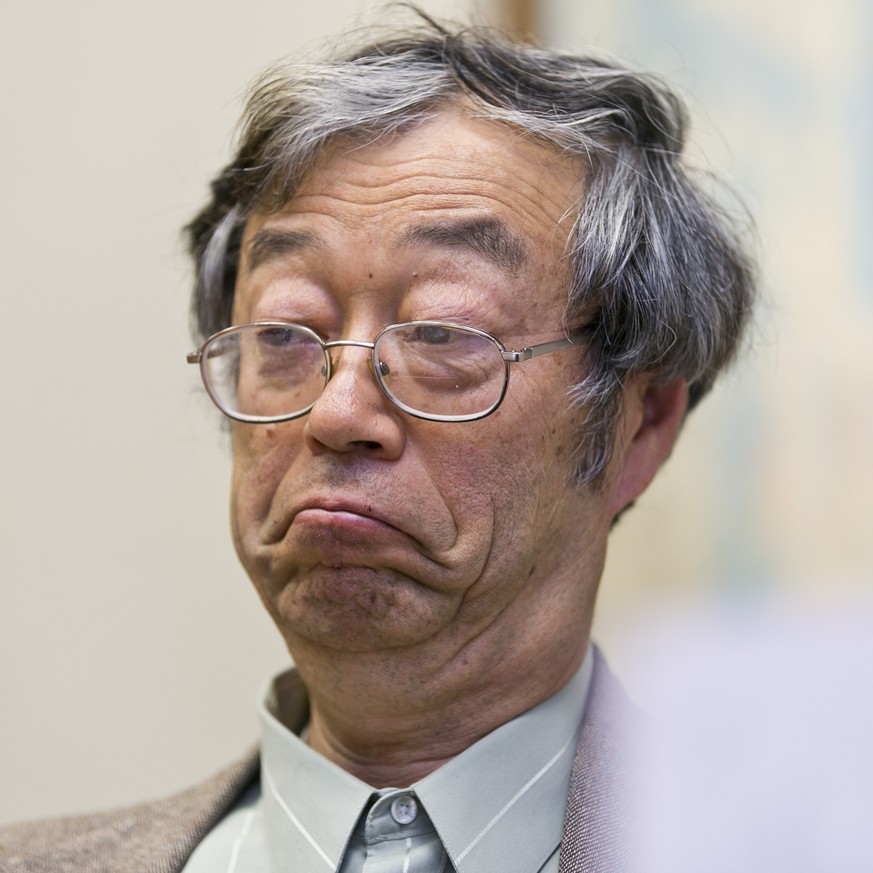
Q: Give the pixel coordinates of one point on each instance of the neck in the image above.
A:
(393, 733)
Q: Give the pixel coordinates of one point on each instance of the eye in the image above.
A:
(433, 334)
(278, 337)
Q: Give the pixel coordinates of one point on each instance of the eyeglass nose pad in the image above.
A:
(328, 369)
(383, 368)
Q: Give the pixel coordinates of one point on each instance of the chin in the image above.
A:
(356, 609)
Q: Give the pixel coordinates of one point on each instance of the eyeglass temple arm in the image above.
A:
(543, 348)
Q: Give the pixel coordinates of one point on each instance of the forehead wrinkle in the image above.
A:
(487, 237)
(270, 244)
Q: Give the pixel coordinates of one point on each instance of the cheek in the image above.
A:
(500, 478)
(261, 457)
(529, 454)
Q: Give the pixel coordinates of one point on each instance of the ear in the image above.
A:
(650, 422)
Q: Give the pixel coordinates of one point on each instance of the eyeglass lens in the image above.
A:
(440, 370)
(263, 372)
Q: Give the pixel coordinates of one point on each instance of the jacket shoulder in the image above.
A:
(153, 837)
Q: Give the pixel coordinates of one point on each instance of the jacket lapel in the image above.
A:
(599, 824)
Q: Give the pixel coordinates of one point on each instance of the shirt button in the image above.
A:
(404, 809)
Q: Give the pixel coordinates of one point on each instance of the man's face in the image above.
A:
(363, 528)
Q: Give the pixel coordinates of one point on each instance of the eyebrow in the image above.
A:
(488, 237)
(269, 245)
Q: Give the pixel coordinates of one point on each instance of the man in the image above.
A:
(456, 296)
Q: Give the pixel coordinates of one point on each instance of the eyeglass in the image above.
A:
(274, 371)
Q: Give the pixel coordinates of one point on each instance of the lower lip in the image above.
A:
(339, 520)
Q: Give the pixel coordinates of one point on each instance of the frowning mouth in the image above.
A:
(341, 509)
(383, 512)
(344, 536)
(345, 529)
(338, 516)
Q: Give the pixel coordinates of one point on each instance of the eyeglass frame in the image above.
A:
(509, 357)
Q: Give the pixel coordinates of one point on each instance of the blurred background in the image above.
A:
(131, 646)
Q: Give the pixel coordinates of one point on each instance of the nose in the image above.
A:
(352, 413)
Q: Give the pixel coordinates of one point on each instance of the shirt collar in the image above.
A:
(311, 806)
(498, 805)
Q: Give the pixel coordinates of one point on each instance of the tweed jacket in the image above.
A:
(159, 837)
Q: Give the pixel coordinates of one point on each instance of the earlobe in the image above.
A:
(650, 424)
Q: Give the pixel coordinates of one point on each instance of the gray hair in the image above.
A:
(657, 267)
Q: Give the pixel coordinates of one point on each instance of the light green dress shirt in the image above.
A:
(496, 808)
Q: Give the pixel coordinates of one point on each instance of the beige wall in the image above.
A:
(130, 644)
